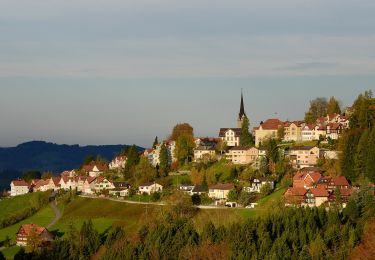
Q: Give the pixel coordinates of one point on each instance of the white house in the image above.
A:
(304, 156)
(242, 155)
(220, 191)
(118, 162)
(121, 189)
(67, 183)
(18, 187)
(204, 153)
(258, 183)
(41, 185)
(150, 187)
(94, 169)
(54, 183)
(89, 185)
(231, 136)
(103, 184)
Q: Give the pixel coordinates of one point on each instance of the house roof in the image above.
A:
(237, 131)
(199, 188)
(271, 124)
(340, 181)
(121, 185)
(319, 192)
(41, 183)
(297, 191)
(204, 148)
(241, 148)
(297, 123)
(56, 180)
(27, 228)
(346, 192)
(149, 184)
(20, 183)
(223, 186)
(89, 167)
(300, 175)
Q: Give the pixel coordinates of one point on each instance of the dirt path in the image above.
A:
(57, 214)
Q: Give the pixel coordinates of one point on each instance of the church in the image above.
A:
(232, 136)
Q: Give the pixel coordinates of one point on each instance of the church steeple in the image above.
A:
(242, 113)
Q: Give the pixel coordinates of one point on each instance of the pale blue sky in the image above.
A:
(119, 71)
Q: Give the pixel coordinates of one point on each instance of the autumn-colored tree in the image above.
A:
(333, 106)
(184, 148)
(47, 175)
(183, 129)
(196, 176)
(34, 241)
(318, 108)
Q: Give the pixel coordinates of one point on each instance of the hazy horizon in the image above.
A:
(120, 71)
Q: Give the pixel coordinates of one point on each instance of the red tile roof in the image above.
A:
(20, 183)
(297, 191)
(340, 181)
(271, 124)
(27, 228)
(319, 192)
(89, 167)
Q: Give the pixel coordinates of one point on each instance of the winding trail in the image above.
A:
(57, 213)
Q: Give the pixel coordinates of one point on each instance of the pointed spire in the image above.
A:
(242, 108)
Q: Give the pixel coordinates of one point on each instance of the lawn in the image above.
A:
(10, 252)
(273, 197)
(10, 206)
(177, 180)
(42, 218)
(139, 198)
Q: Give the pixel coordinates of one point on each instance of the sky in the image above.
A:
(122, 72)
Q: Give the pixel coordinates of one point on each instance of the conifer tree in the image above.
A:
(360, 156)
(348, 146)
(164, 160)
(133, 159)
(156, 142)
(246, 138)
(370, 160)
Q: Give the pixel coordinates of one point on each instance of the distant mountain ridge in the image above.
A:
(44, 156)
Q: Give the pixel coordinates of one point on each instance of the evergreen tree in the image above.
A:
(348, 146)
(333, 106)
(246, 137)
(370, 160)
(164, 160)
(156, 142)
(360, 156)
(133, 159)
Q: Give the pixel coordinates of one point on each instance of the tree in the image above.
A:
(333, 106)
(360, 156)
(348, 146)
(143, 171)
(47, 175)
(2, 257)
(31, 175)
(196, 199)
(184, 148)
(363, 111)
(156, 142)
(88, 159)
(266, 189)
(221, 146)
(164, 160)
(281, 133)
(233, 195)
(370, 160)
(318, 108)
(245, 198)
(246, 137)
(133, 159)
(183, 129)
(34, 241)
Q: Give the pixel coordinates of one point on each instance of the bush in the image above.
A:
(155, 196)
(196, 199)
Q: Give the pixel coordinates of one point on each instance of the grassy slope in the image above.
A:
(13, 205)
(42, 218)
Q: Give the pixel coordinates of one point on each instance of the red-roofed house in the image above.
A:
(54, 183)
(94, 169)
(304, 156)
(27, 231)
(19, 187)
(293, 131)
(306, 180)
(41, 185)
(295, 195)
(267, 130)
(316, 197)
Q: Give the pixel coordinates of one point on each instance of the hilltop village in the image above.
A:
(302, 148)
(318, 166)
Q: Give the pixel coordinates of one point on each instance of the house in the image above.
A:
(230, 136)
(54, 183)
(334, 130)
(204, 153)
(154, 154)
(68, 183)
(199, 189)
(220, 191)
(71, 173)
(306, 179)
(19, 187)
(27, 231)
(118, 162)
(187, 188)
(295, 195)
(41, 185)
(121, 189)
(150, 187)
(316, 197)
(89, 185)
(206, 141)
(79, 182)
(293, 131)
(304, 156)
(308, 133)
(94, 169)
(103, 183)
(242, 155)
(267, 130)
(258, 183)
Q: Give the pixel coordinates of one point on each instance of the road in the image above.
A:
(57, 213)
